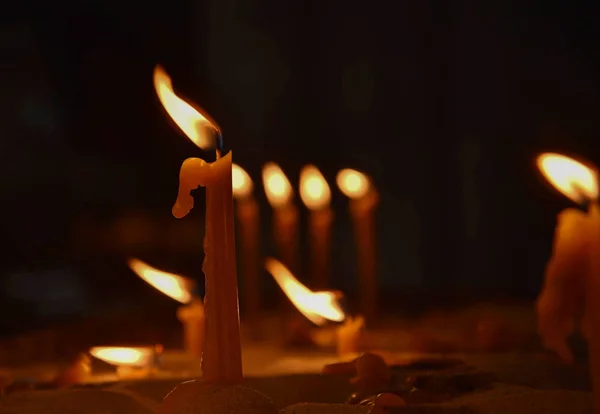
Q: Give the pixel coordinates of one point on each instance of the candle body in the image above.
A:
(362, 211)
(249, 230)
(349, 336)
(222, 355)
(320, 246)
(592, 302)
(192, 318)
(285, 234)
(560, 302)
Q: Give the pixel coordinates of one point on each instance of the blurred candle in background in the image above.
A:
(280, 194)
(316, 196)
(249, 239)
(363, 202)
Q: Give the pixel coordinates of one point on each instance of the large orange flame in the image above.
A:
(124, 356)
(314, 190)
(194, 124)
(277, 187)
(316, 306)
(572, 178)
(174, 286)
(241, 181)
(352, 183)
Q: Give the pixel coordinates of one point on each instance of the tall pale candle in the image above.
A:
(363, 202)
(316, 196)
(248, 230)
(222, 356)
(280, 194)
(572, 279)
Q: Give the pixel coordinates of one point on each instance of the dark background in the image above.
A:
(444, 104)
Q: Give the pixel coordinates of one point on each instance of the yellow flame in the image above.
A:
(572, 178)
(316, 306)
(174, 286)
(195, 125)
(352, 183)
(123, 356)
(314, 190)
(277, 187)
(241, 181)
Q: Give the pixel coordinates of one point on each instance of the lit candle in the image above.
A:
(248, 228)
(572, 279)
(316, 196)
(285, 215)
(179, 288)
(222, 354)
(363, 201)
(320, 307)
(130, 362)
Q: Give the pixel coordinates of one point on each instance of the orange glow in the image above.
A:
(174, 286)
(572, 178)
(316, 306)
(277, 187)
(195, 125)
(241, 181)
(123, 356)
(352, 183)
(314, 190)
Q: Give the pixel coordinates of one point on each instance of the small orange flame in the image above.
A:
(572, 178)
(277, 187)
(314, 190)
(316, 306)
(174, 286)
(123, 356)
(352, 183)
(195, 125)
(241, 181)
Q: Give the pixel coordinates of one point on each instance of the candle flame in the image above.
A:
(314, 190)
(352, 183)
(572, 178)
(316, 306)
(241, 181)
(123, 356)
(194, 124)
(277, 187)
(174, 286)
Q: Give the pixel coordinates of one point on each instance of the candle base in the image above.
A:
(199, 397)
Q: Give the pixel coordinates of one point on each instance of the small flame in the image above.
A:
(195, 125)
(277, 186)
(352, 183)
(174, 286)
(316, 306)
(314, 190)
(123, 356)
(572, 178)
(242, 183)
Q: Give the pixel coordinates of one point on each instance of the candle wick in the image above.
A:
(219, 143)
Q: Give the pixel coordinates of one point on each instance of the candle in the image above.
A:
(130, 362)
(572, 280)
(316, 196)
(222, 355)
(248, 228)
(179, 288)
(363, 201)
(285, 215)
(349, 336)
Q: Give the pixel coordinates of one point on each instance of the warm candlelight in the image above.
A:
(320, 307)
(363, 201)
(131, 362)
(248, 231)
(222, 355)
(180, 288)
(316, 196)
(280, 194)
(572, 280)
